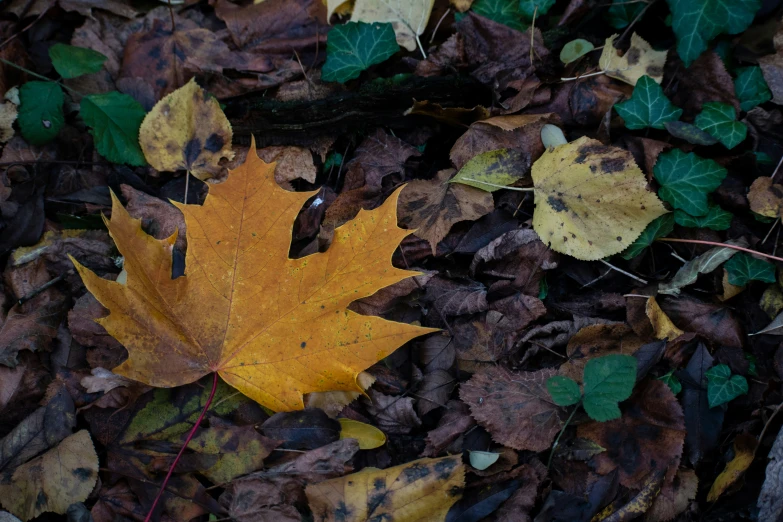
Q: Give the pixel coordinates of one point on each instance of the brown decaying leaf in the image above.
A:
(256, 499)
(457, 116)
(322, 463)
(424, 489)
(454, 298)
(392, 414)
(766, 197)
(455, 422)
(674, 498)
(714, 322)
(432, 207)
(271, 349)
(706, 80)
(434, 391)
(647, 439)
(597, 340)
(515, 408)
(772, 68)
(159, 218)
(378, 155)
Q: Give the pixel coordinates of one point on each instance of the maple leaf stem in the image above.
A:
(714, 243)
(562, 430)
(185, 445)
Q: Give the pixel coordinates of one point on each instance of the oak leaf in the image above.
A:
(272, 327)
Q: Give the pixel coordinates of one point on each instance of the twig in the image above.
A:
(633, 22)
(774, 224)
(437, 26)
(582, 76)
(766, 425)
(421, 47)
(15, 35)
(187, 179)
(554, 446)
(533, 33)
(714, 243)
(184, 446)
(43, 287)
(518, 189)
(774, 172)
(42, 77)
(637, 278)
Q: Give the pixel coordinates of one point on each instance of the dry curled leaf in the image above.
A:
(272, 327)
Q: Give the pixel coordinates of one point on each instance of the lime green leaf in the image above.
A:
(697, 22)
(672, 382)
(686, 179)
(114, 120)
(574, 50)
(690, 133)
(648, 106)
(493, 170)
(622, 12)
(659, 227)
(528, 8)
(353, 47)
(608, 380)
(564, 391)
(40, 111)
(720, 121)
(506, 12)
(751, 88)
(744, 267)
(481, 460)
(716, 219)
(723, 387)
(70, 61)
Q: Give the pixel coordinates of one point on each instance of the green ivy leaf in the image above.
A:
(697, 22)
(622, 12)
(751, 87)
(744, 267)
(506, 12)
(40, 111)
(353, 47)
(493, 170)
(574, 50)
(564, 391)
(528, 8)
(719, 120)
(723, 387)
(716, 219)
(690, 133)
(608, 380)
(70, 61)
(648, 106)
(672, 382)
(114, 120)
(658, 227)
(686, 179)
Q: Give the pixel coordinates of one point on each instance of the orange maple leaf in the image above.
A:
(274, 328)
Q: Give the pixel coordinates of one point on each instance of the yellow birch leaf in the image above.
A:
(369, 437)
(744, 451)
(421, 490)
(639, 60)
(272, 327)
(662, 326)
(60, 477)
(408, 17)
(591, 199)
(186, 130)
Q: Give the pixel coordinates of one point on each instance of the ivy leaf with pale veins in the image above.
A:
(716, 219)
(432, 207)
(659, 227)
(506, 12)
(697, 22)
(722, 386)
(648, 106)
(751, 88)
(564, 390)
(608, 380)
(408, 17)
(114, 120)
(743, 268)
(40, 114)
(353, 47)
(70, 61)
(622, 12)
(529, 11)
(720, 121)
(686, 179)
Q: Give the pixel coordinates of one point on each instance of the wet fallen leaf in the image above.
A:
(591, 200)
(53, 481)
(744, 452)
(702, 422)
(662, 325)
(639, 60)
(423, 489)
(307, 429)
(368, 436)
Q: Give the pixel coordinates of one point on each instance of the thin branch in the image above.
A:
(518, 189)
(638, 17)
(714, 243)
(774, 173)
(533, 33)
(599, 73)
(42, 77)
(774, 224)
(637, 278)
(437, 26)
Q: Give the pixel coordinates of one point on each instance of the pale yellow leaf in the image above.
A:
(369, 437)
(663, 327)
(639, 60)
(744, 451)
(408, 17)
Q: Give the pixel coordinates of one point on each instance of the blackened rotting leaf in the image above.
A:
(703, 423)
(557, 204)
(648, 356)
(302, 430)
(192, 151)
(214, 142)
(480, 502)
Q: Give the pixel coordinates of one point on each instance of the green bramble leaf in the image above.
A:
(743, 268)
(528, 8)
(70, 61)
(716, 219)
(723, 387)
(686, 179)
(493, 170)
(751, 87)
(353, 47)
(658, 227)
(608, 380)
(622, 12)
(697, 22)
(672, 382)
(574, 50)
(506, 12)
(564, 391)
(648, 106)
(690, 133)
(720, 121)
(114, 120)
(40, 111)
